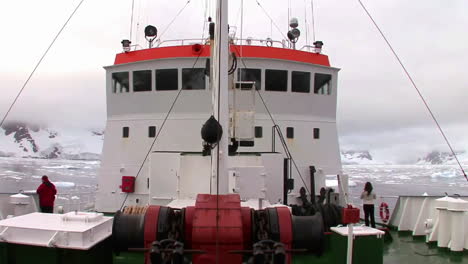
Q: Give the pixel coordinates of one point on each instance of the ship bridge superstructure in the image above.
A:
(298, 89)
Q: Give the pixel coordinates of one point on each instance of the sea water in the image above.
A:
(76, 181)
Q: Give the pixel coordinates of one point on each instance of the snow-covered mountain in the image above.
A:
(354, 157)
(438, 157)
(18, 139)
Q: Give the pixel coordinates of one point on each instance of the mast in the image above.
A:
(219, 85)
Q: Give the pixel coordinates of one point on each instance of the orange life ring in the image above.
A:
(384, 212)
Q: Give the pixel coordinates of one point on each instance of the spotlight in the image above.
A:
(126, 45)
(294, 34)
(150, 31)
(150, 34)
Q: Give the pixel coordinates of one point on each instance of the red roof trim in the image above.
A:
(247, 51)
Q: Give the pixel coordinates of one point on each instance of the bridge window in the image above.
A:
(167, 80)
(152, 131)
(300, 82)
(316, 133)
(120, 82)
(125, 132)
(142, 81)
(290, 132)
(250, 75)
(276, 80)
(322, 83)
(258, 132)
(193, 79)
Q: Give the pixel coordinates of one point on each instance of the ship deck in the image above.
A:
(408, 249)
(404, 248)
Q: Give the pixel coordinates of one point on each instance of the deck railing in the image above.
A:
(388, 199)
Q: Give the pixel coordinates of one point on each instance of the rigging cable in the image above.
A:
(172, 21)
(289, 15)
(164, 122)
(271, 19)
(39, 62)
(131, 20)
(159, 132)
(313, 19)
(306, 24)
(415, 87)
(275, 124)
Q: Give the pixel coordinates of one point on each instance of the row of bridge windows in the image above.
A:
(258, 132)
(194, 79)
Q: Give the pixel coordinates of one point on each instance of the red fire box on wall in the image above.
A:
(350, 215)
(128, 184)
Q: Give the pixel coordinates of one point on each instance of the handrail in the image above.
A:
(244, 41)
(182, 41)
(263, 42)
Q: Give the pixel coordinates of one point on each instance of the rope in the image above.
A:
(313, 19)
(306, 24)
(204, 22)
(39, 63)
(289, 15)
(241, 22)
(271, 19)
(416, 88)
(131, 20)
(172, 21)
(159, 132)
(276, 125)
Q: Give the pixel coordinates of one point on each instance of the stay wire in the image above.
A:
(176, 16)
(313, 19)
(271, 19)
(39, 63)
(164, 121)
(159, 132)
(306, 23)
(415, 87)
(275, 124)
(131, 20)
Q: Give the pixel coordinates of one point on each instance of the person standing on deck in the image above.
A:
(46, 192)
(368, 197)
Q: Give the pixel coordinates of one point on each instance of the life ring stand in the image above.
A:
(384, 212)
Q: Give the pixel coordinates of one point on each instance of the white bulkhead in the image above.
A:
(300, 96)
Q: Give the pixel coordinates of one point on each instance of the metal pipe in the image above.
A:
(312, 184)
(285, 181)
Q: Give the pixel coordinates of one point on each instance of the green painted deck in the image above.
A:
(403, 249)
(408, 249)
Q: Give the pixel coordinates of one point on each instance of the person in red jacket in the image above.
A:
(47, 194)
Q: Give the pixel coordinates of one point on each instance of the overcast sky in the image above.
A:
(378, 109)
